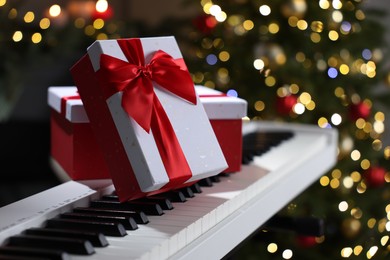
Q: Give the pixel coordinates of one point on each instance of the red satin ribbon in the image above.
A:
(134, 79)
(63, 103)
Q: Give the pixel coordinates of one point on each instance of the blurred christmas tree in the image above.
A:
(37, 37)
(316, 62)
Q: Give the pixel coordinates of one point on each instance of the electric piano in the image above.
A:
(81, 220)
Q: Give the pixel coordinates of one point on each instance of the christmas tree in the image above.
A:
(314, 62)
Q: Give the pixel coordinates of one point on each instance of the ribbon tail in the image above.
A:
(138, 101)
(172, 155)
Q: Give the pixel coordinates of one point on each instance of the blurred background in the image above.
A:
(322, 62)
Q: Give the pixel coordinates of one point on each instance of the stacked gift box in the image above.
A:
(136, 117)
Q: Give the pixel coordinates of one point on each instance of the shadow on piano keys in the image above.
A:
(83, 220)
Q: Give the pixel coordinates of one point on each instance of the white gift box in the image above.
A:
(131, 153)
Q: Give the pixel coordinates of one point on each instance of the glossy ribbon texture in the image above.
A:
(135, 79)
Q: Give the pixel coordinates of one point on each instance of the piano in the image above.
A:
(204, 221)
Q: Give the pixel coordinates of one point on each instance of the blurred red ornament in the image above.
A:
(359, 110)
(284, 105)
(205, 23)
(306, 241)
(105, 15)
(375, 176)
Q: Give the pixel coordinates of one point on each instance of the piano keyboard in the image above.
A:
(200, 225)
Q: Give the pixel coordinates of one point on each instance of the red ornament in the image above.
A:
(359, 110)
(284, 105)
(375, 176)
(205, 23)
(106, 15)
(306, 241)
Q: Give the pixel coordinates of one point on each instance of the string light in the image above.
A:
(337, 16)
(36, 38)
(336, 119)
(324, 181)
(287, 254)
(384, 240)
(44, 23)
(258, 64)
(18, 36)
(259, 105)
(101, 6)
(29, 17)
(324, 4)
(332, 73)
(333, 35)
(346, 252)
(272, 247)
(13, 13)
(357, 250)
(265, 10)
(224, 56)
(371, 252)
(343, 206)
(54, 10)
(98, 24)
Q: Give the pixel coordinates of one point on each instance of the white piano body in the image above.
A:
(212, 223)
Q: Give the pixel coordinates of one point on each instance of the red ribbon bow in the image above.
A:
(135, 78)
(139, 100)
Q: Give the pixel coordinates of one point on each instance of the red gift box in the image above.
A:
(145, 115)
(74, 150)
(76, 155)
(225, 114)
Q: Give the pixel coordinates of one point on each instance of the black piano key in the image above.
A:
(224, 174)
(215, 178)
(245, 160)
(262, 150)
(264, 140)
(187, 191)
(127, 222)
(258, 143)
(206, 182)
(147, 207)
(17, 252)
(113, 197)
(72, 246)
(196, 188)
(139, 216)
(107, 228)
(174, 196)
(97, 239)
(164, 203)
